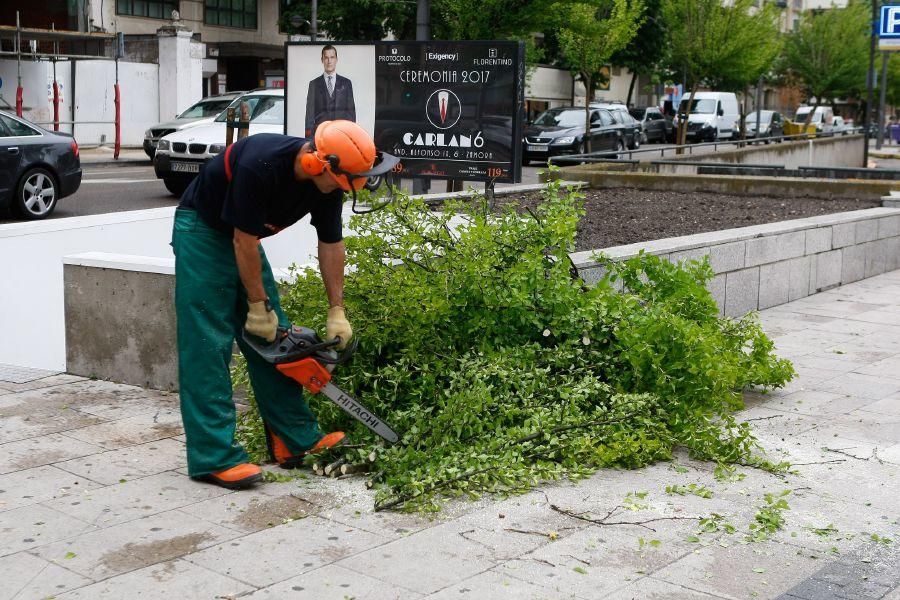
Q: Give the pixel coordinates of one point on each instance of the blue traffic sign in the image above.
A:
(889, 26)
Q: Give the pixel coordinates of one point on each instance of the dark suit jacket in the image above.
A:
(320, 107)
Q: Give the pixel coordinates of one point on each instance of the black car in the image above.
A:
(631, 129)
(655, 126)
(37, 167)
(560, 131)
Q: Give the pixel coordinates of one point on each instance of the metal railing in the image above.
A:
(740, 143)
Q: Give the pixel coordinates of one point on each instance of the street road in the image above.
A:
(117, 188)
(108, 189)
(111, 189)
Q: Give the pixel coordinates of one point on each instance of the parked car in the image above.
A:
(842, 127)
(631, 129)
(822, 118)
(37, 167)
(712, 116)
(180, 155)
(201, 113)
(559, 131)
(655, 126)
(771, 125)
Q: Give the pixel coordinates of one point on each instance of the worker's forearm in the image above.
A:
(331, 265)
(249, 263)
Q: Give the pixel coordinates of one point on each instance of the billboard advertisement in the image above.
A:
(448, 110)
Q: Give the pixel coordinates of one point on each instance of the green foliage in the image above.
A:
(828, 54)
(712, 524)
(591, 32)
(692, 488)
(500, 370)
(769, 518)
(722, 45)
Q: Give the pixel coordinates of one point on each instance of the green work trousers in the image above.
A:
(211, 307)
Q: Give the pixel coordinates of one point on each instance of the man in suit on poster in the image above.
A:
(330, 96)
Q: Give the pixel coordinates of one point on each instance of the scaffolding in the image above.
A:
(62, 46)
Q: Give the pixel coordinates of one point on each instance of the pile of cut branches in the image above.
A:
(501, 369)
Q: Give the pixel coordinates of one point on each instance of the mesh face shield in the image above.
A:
(381, 175)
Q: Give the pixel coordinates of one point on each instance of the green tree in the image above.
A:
(488, 19)
(827, 55)
(591, 32)
(644, 53)
(722, 46)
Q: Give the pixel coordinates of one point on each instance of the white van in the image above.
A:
(713, 116)
(823, 118)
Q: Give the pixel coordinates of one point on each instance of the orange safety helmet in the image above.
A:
(345, 150)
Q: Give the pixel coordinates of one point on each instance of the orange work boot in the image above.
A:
(329, 440)
(236, 478)
(279, 452)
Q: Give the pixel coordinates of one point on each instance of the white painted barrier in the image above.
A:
(32, 322)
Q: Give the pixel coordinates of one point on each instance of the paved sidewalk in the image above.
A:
(103, 156)
(94, 503)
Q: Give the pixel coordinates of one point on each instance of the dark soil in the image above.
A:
(624, 216)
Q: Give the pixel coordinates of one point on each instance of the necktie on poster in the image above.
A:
(330, 85)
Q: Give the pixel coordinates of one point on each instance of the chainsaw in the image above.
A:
(302, 355)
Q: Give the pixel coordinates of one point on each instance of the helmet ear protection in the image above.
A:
(314, 165)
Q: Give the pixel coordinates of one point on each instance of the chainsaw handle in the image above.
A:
(342, 355)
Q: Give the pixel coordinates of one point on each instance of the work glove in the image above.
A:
(338, 326)
(261, 320)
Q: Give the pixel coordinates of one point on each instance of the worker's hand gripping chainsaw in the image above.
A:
(302, 355)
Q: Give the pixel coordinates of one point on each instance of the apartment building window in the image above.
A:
(155, 9)
(231, 13)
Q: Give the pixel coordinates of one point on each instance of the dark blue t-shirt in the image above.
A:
(263, 197)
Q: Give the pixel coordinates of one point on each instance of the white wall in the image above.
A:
(138, 82)
(617, 92)
(547, 83)
(37, 97)
(31, 306)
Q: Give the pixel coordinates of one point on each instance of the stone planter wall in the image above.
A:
(120, 318)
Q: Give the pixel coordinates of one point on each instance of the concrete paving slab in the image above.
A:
(865, 426)
(41, 382)
(650, 588)
(109, 400)
(32, 526)
(253, 510)
(131, 462)
(29, 486)
(814, 403)
(131, 546)
(288, 550)
(21, 421)
(762, 570)
(42, 450)
(595, 561)
(165, 581)
(17, 374)
(888, 367)
(27, 576)
(494, 585)
(866, 386)
(135, 499)
(333, 581)
(440, 551)
(146, 427)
